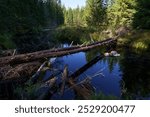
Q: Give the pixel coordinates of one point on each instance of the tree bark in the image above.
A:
(17, 59)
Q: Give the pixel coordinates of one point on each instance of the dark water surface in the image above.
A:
(126, 77)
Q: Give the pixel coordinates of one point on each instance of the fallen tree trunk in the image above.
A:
(18, 73)
(85, 67)
(17, 59)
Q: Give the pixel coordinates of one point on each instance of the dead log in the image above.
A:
(46, 91)
(83, 90)
(64, 80)
(18, 73)
(17, 59)
(34, 78)
(85, 67)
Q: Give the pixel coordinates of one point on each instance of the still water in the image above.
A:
(125, 77)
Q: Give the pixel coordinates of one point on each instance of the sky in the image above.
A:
(73, 3)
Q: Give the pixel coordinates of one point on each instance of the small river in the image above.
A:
(125, 77)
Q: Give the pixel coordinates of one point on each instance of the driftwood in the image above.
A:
(17, 59)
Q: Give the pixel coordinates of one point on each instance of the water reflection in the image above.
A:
(127, 77)
(136, 75)
(107, 82)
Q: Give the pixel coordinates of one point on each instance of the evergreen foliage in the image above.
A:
(74, 16)
(19, 15)
(121, 13)
(95, 13)
(142, 16)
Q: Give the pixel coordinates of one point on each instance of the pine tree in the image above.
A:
(95, 13)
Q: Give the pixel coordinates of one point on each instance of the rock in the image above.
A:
(112, 53)
(116, 55)
(106, 54)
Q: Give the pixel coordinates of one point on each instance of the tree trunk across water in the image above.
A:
(15, 68)
(23, 58)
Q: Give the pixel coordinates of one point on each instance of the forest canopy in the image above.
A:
(110, 13)
(22, 14)
(16, 15)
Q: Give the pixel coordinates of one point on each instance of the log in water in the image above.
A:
(17, 59)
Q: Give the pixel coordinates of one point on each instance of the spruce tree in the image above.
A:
(121, 13)
(95, 13)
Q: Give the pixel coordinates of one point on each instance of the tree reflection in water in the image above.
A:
(135, 74)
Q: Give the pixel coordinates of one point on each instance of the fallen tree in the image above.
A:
(18, 73)
(23, 58)
(13, 68)
(85, 67)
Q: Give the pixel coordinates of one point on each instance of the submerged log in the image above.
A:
(84, 89)
(34, 78)
(17, 59)
(64, 80)
(45, 92)
(86, 66)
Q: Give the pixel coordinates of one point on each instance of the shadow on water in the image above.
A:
(135, 74)
(125, 77)
(105, 73)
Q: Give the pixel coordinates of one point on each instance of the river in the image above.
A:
(124, 77)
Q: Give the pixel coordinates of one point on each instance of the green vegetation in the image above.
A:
(95, 13)
(22, 16)
(74, 17)
(96, 21)
(68, 34)
(33, 25)
(142, 15)
(121, 13)
(141, 41)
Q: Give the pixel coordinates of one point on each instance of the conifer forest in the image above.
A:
(98, 51)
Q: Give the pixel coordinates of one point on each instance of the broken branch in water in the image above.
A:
(83, 90)
(64, 79)
(36, 75)
(48, 92)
